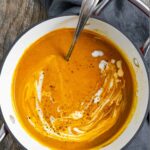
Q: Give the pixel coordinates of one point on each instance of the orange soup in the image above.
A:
(82, 103)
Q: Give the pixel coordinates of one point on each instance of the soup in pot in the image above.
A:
(83, 103)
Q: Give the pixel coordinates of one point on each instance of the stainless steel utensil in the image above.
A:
(87, 9)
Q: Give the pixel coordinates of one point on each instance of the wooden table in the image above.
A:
(15, 17)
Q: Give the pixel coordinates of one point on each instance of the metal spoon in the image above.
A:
(101, 6)
(88, 7)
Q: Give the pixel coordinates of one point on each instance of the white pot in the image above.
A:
(134, 57)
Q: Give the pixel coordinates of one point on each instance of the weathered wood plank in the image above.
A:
(15, 17)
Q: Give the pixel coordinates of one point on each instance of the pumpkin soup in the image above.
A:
(82, 103)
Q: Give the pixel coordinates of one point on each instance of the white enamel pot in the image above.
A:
(134, 57)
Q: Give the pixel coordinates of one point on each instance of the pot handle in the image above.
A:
(3, 132)
(145, 8)
(146, 47)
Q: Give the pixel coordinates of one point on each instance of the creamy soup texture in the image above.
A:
(82, 103)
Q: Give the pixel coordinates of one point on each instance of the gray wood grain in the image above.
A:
(15, 17)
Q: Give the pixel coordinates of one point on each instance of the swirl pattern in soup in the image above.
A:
(77, 104)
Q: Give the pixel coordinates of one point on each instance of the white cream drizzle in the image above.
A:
(58, 109)
(103, 64)
(79, 114)
(97, 53)
(113, 61)
(82, 103)
(78, 130)
(52, 119)
(119, 64)
(111, 84)
(97, 96)
(31, 122)
(76, 115)
(38, 85)
(69, 130)
(46, 126)
(120, 70)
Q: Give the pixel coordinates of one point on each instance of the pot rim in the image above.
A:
(31, 27)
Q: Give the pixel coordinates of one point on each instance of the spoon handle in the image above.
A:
(87, 8)
(101, 6)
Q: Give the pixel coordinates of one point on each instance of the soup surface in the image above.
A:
(82, 103)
